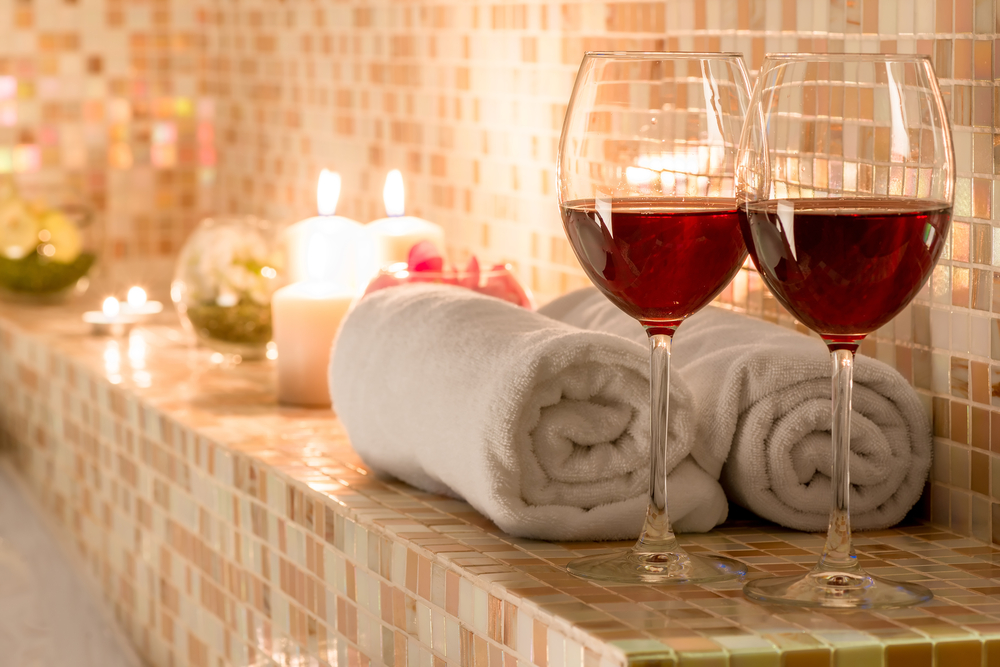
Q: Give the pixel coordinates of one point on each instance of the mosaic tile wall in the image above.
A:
(103, 105)
(153, 111)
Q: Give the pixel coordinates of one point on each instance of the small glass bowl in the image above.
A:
(45, 253)
(498, 281)
(225, 276)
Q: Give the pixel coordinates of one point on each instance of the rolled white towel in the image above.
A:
(540, 426)
(762, 396)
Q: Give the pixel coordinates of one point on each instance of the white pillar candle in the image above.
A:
(393, 236)
(327, 247)
(305, 319)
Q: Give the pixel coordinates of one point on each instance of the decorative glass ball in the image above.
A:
(225, 276)
(45, 252)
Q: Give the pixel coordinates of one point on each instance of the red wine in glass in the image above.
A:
(845, 266)
(647, 196)
(658, 259)
(844, 233)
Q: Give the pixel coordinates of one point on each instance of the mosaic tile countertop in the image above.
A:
(226, 530)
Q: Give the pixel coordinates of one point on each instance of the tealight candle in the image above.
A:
(305, 319)
(394, 235)
(326, 247)
(110, 320)
(137, 303)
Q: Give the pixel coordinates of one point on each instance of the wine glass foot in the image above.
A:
(675, 567)
(833, 589)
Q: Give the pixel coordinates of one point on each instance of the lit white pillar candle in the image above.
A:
(393, 236)
(328, 259)
(305, 319)
(327, 247)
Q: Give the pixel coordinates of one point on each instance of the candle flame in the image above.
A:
(393, 194)
(111, 307)
(136, 297)
(327, 192)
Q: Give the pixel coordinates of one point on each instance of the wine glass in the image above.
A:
(844, 187)
(646, 172)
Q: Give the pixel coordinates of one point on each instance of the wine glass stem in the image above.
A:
(839, 553)
(657, 536)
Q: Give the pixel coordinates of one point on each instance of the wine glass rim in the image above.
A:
(849, 57)
(664, 55)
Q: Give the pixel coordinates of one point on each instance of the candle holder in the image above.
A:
(137, 303)
(110, 320)
(223, 282)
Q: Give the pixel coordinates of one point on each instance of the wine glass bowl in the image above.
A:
(705, 247)
(646, 173)
(844, 187)
(646, 167)
(883, 249)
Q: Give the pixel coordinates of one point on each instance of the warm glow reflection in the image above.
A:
(136, 297)
(640, 175)
(398, 270)
(684, 172)
(899, 137)
(327, 192)
(393, 194)
(142, 379)
(112, 361)
(111, 307)
(136, 350)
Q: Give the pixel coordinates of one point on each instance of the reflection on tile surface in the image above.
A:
(228, 530)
